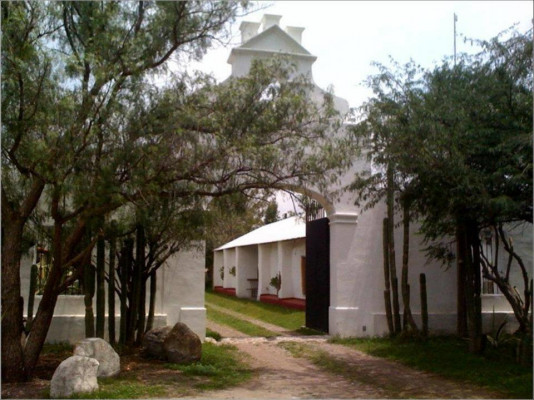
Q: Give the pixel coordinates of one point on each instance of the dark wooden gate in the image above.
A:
(317, 274)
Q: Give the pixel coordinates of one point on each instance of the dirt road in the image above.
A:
(279, 375)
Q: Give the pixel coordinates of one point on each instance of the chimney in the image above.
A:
(248, 30)
(269, 20)
(295, 32)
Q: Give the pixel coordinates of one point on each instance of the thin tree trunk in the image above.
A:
(152, 306)
(387, 291)
(100, 289)
(408, 318)
(424, 306)
(461, 305)
(111, 289)
(392, 263)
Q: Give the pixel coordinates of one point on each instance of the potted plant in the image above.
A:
(276, 282)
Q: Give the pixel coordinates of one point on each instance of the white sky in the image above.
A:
(347, 36)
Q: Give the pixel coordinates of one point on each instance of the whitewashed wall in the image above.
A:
(180, 297)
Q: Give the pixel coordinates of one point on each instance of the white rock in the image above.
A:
(74, 375)
(110, 362)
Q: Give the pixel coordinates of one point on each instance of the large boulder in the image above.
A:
(177, 344)
(110, 362)
(76, 374)
(153, 343)
(182, 345)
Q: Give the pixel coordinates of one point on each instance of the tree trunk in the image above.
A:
(407, 313)
(387, 291)
(391, 240)
(31, 295)
(111, 290)
(424, 306)
(12, 355)
(39, 328)
(89, 290)
(152, 306)
(139, 290)
(100, 290)
(469, 244)
(461, 305)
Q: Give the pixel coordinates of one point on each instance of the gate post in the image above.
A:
(343, 314)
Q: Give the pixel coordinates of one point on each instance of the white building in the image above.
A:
(356, 277)
(246, 265)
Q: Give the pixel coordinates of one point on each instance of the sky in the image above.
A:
(347, 36)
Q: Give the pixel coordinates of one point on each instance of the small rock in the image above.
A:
(182, 345)
(153, 343)
(110, 362)
(76, 374)
(210, 340)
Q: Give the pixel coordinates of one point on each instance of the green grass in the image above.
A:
(212, 334)
(220, 367)
(270, 313)
(448, 357)
(221, 364)
(238, 324)
(116, 388)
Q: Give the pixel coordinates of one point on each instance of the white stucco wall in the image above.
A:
(229, 262)
(180, 297)
(247, 270)
(218, 262)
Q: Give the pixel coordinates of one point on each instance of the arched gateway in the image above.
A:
(356, 275)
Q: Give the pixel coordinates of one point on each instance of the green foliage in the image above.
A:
(276, 282)
(271, 213)
(448, 357)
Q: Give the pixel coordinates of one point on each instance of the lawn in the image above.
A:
(240, 325)
(448, 357)
(270, 313)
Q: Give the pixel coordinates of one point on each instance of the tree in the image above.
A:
(101, 137)
(387, 117)
(467, 155)
(271, 213)
(67, 71)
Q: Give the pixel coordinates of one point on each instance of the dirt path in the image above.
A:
(279, 375)
(273, 328)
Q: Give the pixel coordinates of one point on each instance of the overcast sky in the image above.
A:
(347, 36)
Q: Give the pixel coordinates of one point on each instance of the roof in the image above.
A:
(286, 229)
(263, 42)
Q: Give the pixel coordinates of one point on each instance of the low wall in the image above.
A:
(71, 328)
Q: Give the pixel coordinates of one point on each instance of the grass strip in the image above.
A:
(448, 357)
(240, 325)
(270, 313)
(222, 365)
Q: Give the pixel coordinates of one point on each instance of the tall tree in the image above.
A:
(467, 156)
(105, 137)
